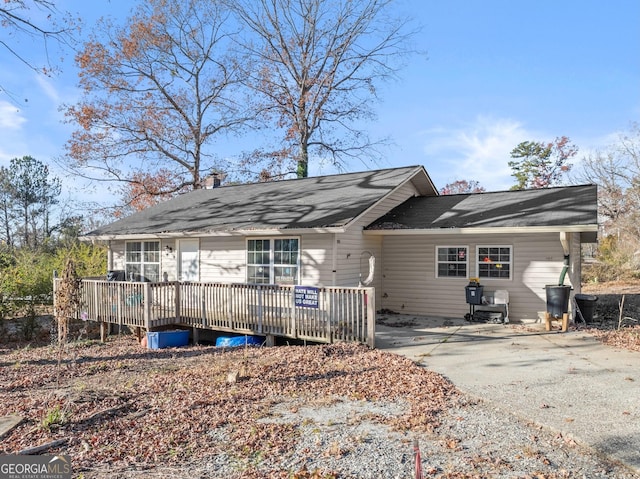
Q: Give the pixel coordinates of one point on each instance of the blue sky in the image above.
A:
(496, 73)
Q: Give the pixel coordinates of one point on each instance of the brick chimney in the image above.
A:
(211, 181)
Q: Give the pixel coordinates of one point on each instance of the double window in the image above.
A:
(142, 261)
(273, 261)
(492, 262)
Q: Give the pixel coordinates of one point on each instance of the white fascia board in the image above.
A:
(206, 234)
(140, 237)
(476, 231)
(285, 232)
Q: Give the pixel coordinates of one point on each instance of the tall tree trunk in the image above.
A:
(303, 161)
(25, 212)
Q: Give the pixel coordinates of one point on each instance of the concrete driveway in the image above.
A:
(567, 382)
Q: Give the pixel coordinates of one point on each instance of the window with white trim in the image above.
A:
(273, 260)
(452, 261)
(142, 260)
(494, 262)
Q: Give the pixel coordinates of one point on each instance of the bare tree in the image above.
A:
(156, 93)
(616, 171)
(38, 19)
(318, 66)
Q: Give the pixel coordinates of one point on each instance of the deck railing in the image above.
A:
(333, 313)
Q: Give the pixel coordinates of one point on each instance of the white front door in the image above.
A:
(189, 262)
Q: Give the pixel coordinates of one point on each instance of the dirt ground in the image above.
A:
(120, 407)
(122, 411)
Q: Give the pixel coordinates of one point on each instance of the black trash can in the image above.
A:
(474, 293)
(586, 304)
(557, 300)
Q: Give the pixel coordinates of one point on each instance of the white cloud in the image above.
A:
(10, 116)
(12, 123)
(477, 151)
(47, 87)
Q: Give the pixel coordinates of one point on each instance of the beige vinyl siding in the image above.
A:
(410, 284)
(353, 247)
(169, 260)
(317, 260)
(223, 259)
(353, 251)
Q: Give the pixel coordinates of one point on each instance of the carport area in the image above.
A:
(567, 382)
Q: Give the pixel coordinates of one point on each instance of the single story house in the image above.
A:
(388, 228)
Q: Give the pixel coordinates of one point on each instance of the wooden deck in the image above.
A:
(324, 314)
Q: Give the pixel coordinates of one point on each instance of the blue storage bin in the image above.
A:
(235, 341)
(167, 339)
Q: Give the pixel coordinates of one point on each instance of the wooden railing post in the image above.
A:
(292, 306)
(203, 305)
(96, 299)
(229, 306)
(371, 317)
(260, 309)
(147, 306)
(119, 305)
(330, 320)
(178, 290)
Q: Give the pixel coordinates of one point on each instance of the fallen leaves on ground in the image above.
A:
(624, 338)
(125, 407)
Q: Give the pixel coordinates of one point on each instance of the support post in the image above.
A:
(147, 307)
(292, 315)
(330, 321)
(96, 299)
(103, 331)
(371, 317)
(203, 305)
(565, 322)
(547, 321)
(178, 287)
(260, 308)
(230, 307)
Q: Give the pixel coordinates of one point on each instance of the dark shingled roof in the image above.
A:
(563, 206)
(316, 202)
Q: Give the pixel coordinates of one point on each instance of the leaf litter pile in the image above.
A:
(624, 338)
(121, 411)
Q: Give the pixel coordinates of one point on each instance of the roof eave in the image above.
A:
(208, 234)
(484, 230)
